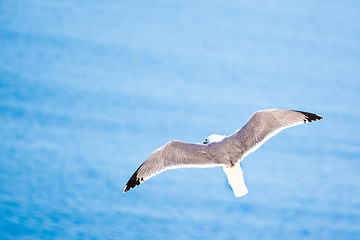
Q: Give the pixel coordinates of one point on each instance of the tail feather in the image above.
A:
(236, 180)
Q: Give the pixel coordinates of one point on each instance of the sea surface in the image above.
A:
(89, 89)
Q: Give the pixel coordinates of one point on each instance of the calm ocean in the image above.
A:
(89, 89)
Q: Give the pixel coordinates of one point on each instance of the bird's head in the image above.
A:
(214, 138)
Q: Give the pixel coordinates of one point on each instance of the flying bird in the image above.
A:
(221, 151)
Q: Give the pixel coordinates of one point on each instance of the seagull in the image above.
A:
(221, 151)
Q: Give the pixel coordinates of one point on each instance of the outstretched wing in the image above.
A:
(262, 126)
(174, 154)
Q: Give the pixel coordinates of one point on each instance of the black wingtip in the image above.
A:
(133, 181)
(310, 117)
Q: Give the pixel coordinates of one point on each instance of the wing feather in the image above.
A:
(263, 125)
(174, 154)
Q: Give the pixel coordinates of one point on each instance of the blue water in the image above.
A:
(88, 90)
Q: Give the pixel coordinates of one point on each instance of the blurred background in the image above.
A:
(89, 89)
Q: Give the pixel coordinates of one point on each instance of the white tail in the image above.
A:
(236, 180)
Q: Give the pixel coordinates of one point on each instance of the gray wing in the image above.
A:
(174, 154)
(262, 126)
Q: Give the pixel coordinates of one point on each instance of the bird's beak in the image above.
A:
(204, 142)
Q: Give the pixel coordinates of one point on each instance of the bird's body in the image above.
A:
(219, 150)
